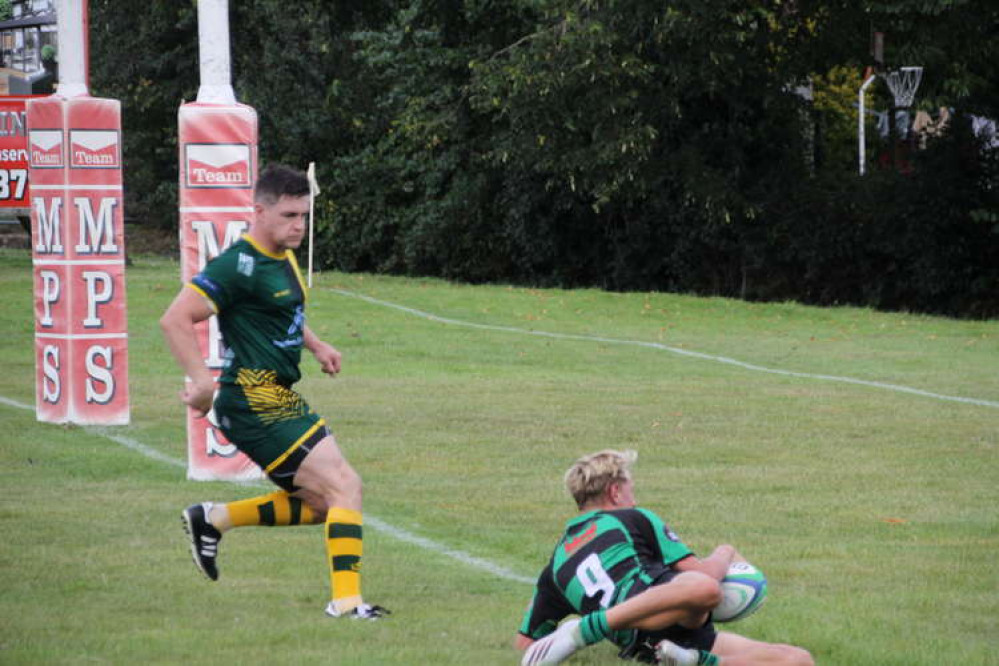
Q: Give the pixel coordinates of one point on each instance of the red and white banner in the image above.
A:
(14, 192)
(218, 167)
(78, 250)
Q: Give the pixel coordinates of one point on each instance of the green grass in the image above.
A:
(872, 511)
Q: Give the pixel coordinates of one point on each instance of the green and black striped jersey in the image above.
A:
(597, 561)
(259, 298)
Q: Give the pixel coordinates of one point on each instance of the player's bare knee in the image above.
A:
(704, 592)
(342, 487)
(710, 593)
(799, 657)
(789, 655)
(350, 483)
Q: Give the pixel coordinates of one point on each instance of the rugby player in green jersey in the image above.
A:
(255, 289)
(634, 582)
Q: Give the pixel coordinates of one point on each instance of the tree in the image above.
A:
(955, 41)
(643, 122)
(628, 144)
(283, 62)
(145, 55)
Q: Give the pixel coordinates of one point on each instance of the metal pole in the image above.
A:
(860, 121)
(71, 23)
(213, 52)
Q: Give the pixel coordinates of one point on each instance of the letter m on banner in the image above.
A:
(97, 233)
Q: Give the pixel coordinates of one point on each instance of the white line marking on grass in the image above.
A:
(673, 350)
(14, 403)
(380, 525)
(464, 558)
(136, 446)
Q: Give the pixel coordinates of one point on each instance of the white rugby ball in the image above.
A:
(744, 589)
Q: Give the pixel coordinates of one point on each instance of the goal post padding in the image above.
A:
(78, 253)
(218, 168)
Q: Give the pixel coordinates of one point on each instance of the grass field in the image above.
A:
(872, 508)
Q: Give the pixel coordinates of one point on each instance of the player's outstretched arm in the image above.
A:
(177, 324)
(715, 565)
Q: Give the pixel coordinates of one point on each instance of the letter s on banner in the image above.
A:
(52, 384)
(100, 373)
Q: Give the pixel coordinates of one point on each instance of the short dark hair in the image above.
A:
(278, 180)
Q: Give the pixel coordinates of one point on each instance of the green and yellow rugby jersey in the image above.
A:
(259, 298)
(597, 561)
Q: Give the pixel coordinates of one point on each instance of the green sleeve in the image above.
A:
(670, 546)
(221, 282)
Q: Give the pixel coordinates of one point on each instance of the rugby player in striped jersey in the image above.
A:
(633, 581)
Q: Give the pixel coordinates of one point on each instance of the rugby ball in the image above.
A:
(744, 589)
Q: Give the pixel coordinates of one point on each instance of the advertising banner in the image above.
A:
(14, 192)
(218, 167)
(78, 252)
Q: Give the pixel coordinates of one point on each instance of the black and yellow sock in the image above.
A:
(344, 548)
(276, 509)
(594, 627)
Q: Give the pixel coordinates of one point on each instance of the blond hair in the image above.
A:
(591, 476)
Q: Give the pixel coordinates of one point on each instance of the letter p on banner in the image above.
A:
(78, 252)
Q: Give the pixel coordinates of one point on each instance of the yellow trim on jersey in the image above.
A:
(208, 298)
(308, 433)
(288, 256)
(249, 239)
(298, 274)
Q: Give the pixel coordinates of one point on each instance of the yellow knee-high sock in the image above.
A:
(278, 508)
(344, 550)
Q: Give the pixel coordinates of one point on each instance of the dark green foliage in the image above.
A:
(924, 241)
(146, 55)
(626, 144)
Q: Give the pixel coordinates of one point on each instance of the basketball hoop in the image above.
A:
(903, 83)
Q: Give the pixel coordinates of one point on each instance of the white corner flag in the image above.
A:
(313, 191)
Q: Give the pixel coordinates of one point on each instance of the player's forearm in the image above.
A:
(310, 340)
(716, 565)
(183, 344)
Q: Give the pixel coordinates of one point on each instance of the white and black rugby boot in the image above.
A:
(204, 538)
(359, 612)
